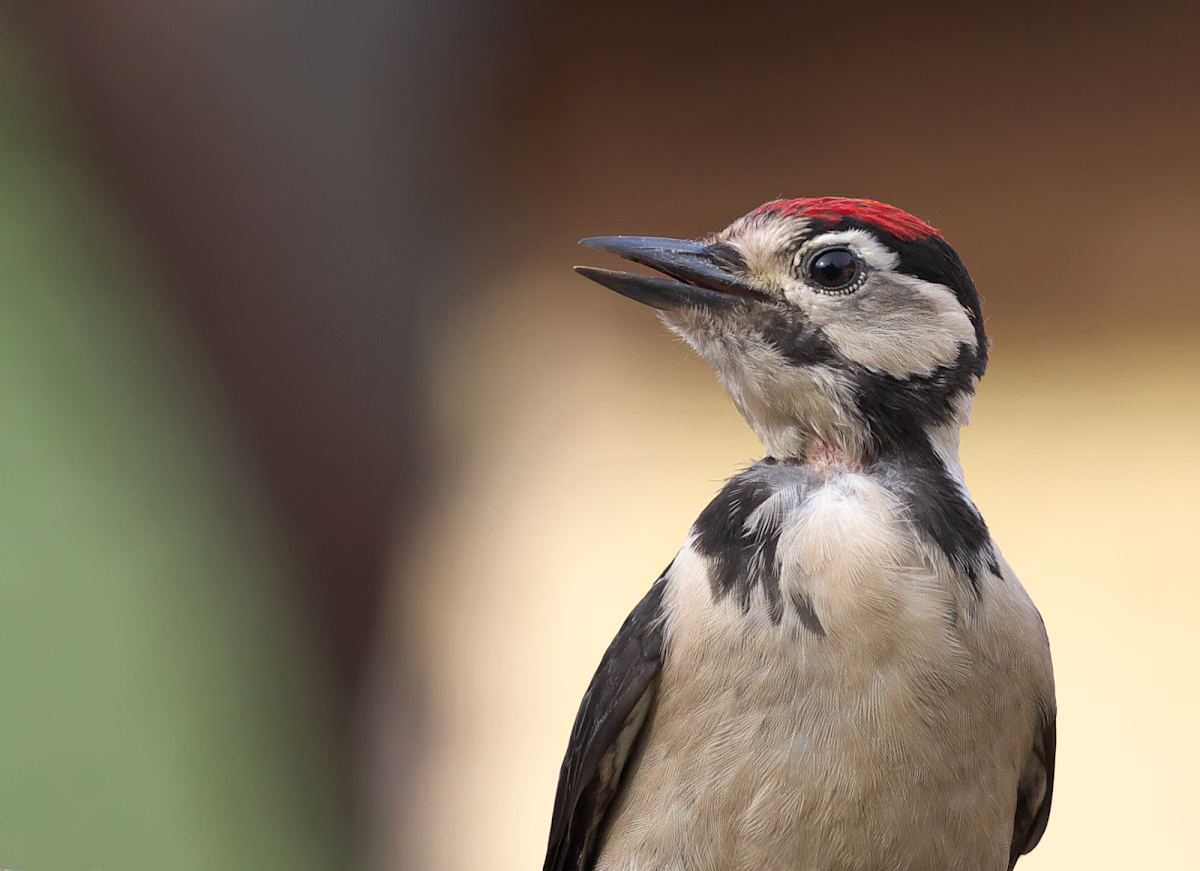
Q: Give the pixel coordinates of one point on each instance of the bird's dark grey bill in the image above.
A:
(698, 274)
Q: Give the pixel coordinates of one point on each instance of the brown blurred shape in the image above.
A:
(305, 168)
(285, 159)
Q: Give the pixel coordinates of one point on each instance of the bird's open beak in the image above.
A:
(698, 274)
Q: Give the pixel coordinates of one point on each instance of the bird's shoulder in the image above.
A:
(610, 719)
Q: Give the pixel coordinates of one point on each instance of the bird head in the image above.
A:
(838, 326)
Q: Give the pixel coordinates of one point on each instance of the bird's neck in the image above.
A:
(854, 449)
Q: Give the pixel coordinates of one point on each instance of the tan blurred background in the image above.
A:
(313, 433)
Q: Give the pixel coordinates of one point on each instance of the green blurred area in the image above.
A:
(159, 704)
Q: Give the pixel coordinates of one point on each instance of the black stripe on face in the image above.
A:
(796, 338)
(900, 411)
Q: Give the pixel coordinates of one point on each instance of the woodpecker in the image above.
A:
(838, 671)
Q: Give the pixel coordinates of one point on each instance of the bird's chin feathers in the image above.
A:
(790, 407)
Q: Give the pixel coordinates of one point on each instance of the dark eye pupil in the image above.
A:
(834, 269)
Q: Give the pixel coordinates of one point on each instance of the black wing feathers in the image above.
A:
(1032, 814)
(606, 728)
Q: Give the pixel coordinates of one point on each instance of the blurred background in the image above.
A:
(305, 421)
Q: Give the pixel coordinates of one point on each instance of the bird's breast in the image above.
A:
(818, 688)
(829, 613)
(814, 559)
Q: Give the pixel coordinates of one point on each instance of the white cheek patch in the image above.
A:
(899, 325)
(894, 323)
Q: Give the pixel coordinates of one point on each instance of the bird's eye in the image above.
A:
(833, 269)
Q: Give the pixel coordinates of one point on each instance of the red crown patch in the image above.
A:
(887, 218)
